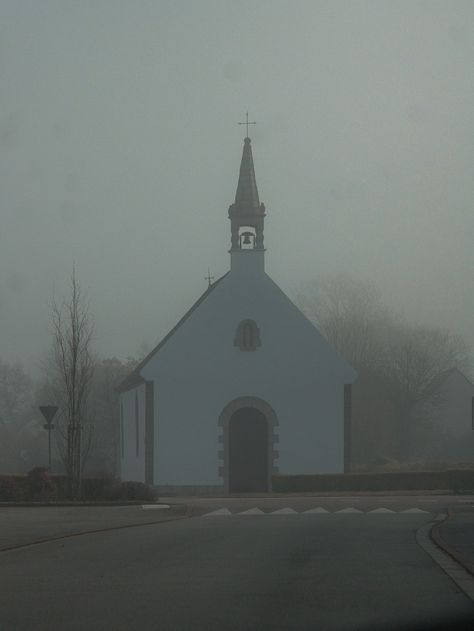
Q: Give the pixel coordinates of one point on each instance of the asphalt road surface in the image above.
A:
(250, 572)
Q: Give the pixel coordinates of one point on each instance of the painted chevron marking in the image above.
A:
(221, 512)
(319, 510)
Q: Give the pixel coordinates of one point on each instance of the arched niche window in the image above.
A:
(247, 336)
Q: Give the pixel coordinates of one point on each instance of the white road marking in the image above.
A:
(319, 510)
(221, 512)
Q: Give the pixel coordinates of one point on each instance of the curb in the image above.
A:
(450, 566)
(436, 537)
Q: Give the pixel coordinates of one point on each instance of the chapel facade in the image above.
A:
(243, 387)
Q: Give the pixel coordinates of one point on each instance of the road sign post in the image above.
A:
(49, 412)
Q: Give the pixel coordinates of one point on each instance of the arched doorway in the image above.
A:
(270, 422)
(248, 451)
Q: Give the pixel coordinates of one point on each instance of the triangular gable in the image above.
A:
(134, 378)
(444, 377)
(351, 373)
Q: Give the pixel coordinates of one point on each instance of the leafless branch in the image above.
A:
(73, 367)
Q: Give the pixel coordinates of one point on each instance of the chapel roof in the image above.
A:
(444, 376)
(134, 378)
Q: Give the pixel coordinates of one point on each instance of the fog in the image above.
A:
(120, 149)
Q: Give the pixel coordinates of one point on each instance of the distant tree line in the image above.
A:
(399, 365)
(23, 441)
(17, 432)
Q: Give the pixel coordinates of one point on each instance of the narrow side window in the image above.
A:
(137, 427)
(122, 441)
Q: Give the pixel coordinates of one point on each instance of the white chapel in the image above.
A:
(242, 388)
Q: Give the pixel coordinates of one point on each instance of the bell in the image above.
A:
(247, 236)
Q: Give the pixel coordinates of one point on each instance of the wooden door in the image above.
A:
(248, 451)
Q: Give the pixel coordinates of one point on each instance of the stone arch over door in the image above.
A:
(224, 436)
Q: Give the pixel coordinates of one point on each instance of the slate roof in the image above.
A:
(134, 378)
(247, 202)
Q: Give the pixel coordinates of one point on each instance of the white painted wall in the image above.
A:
(132, 466)
(199, 371)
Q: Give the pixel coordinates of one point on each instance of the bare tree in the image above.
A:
(399, 365)
(413, 361)
(349, 313)
(73, 372)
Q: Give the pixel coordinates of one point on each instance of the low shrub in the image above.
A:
(461, 480)
(10, 490)
(60, 485)
(96, 488)
(360, 482)
(40, 484)
(390, 465)
(138, 491)
(129, 491)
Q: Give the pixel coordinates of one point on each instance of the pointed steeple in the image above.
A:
(247, 211)
(246, 197)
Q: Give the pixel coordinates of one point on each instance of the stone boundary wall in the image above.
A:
(454, 480)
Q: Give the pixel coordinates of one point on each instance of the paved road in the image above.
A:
(298, 571)
(23, 525)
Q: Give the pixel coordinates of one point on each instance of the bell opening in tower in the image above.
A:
(247, 238)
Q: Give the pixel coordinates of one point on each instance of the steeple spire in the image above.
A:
(246, 213)
(246, 197)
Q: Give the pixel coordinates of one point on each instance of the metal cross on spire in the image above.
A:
(247, 123)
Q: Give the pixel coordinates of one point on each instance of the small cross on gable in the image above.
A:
(209, 278)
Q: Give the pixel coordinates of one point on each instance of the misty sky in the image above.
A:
(120, 149)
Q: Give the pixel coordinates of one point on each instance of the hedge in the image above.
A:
(453, 480)
(13, 488)
(39, 485)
